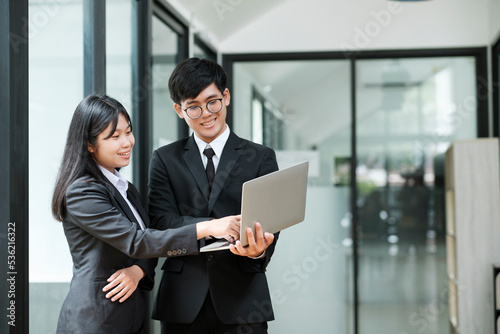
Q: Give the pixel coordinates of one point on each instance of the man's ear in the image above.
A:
(227, 97)
(178, 110)
(90, 148)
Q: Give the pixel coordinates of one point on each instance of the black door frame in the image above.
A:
(495, 77)
(14, 139)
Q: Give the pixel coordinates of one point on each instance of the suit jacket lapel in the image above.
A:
(195, 165)
(133, 197)
(228, 159)
(123, 206)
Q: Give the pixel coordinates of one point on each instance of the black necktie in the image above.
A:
(209, 152)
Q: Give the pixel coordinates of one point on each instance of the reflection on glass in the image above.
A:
(408, 112)
(267, 122)
(56, 86)
(165, 57)
(310, 275)
(257, 123)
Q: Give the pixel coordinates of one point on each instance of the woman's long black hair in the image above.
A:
(91, 117)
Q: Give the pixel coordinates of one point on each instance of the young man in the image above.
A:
(221, 291)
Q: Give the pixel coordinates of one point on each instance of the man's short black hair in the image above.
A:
(192, 75)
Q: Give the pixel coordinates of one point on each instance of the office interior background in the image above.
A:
(371, 92)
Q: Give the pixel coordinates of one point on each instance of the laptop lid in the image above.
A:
(276, 200)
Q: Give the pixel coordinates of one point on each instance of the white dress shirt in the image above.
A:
(217, 145)
(121, 184)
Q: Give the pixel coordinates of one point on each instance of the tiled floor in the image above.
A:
(403, 293)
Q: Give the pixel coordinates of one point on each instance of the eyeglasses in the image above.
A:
(214, 106)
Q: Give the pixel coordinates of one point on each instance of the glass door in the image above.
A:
(408, 111)
(302, 110)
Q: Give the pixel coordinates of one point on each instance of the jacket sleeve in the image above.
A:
(148, 265)
(89, 207)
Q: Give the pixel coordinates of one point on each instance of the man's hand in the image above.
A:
(256, 244)
(123, 282)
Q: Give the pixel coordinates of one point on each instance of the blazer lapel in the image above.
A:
(195, 165)
(133, 197)
(123, 206)
(228, 159)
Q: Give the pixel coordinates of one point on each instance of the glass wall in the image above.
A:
(55, 89)
(408, 112)
(310, 275)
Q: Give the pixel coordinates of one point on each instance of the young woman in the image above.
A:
(106, 227)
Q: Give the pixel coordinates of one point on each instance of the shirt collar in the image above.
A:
(116, 179)
(217, 144)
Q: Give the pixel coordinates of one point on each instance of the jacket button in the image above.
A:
(169, 253)
(184, 251)
(210, 258)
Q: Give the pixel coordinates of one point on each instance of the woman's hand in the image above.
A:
(123, 283)
(227, 228)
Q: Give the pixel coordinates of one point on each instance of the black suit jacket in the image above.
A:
(103, 236)
(179, 196)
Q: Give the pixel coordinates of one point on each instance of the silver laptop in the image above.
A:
(276, 200)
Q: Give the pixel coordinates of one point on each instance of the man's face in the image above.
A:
(209, 125)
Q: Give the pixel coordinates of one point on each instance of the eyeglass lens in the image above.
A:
(214, 106)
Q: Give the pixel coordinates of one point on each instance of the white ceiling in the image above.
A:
(319, 25)
(223, 18)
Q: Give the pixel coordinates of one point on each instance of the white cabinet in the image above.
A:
(473, 233)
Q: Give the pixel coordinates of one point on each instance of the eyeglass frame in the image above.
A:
(206, 107)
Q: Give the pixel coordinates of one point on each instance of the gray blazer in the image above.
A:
(104, 236)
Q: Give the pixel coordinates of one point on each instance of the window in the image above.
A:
(169, 41)
(56, 87)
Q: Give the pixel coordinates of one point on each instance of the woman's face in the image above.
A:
(115, 151)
